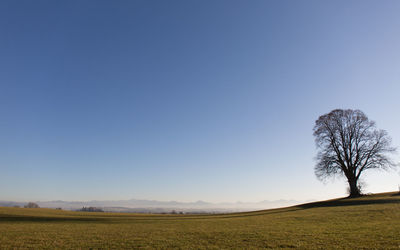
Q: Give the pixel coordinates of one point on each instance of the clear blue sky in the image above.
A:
(187, 100)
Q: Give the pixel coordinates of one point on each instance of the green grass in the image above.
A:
(368, 222)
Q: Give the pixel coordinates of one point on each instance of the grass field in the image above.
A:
(368, 222)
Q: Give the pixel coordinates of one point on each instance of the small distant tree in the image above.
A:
(349, 144)
(31, 205)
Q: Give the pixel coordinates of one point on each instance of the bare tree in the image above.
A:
(348, 144)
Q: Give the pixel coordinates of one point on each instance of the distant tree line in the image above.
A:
(91, 209)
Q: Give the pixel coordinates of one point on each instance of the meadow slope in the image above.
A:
(368, 222)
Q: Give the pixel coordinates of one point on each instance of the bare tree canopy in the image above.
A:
(348, 144)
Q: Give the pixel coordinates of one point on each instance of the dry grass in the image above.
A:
(366, 222)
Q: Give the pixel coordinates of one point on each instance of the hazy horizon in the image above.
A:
(188, 100)
(157, 200)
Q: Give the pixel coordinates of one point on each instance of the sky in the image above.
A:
(188, 100)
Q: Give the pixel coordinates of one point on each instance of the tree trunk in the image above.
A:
(354, 190)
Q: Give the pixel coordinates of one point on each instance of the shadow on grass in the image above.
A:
(348, 202)
(47, 219)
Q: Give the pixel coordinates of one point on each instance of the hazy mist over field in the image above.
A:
(153, 206)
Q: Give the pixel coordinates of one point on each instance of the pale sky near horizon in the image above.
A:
(188, 100)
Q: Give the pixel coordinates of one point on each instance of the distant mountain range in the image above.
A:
(153, 206)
